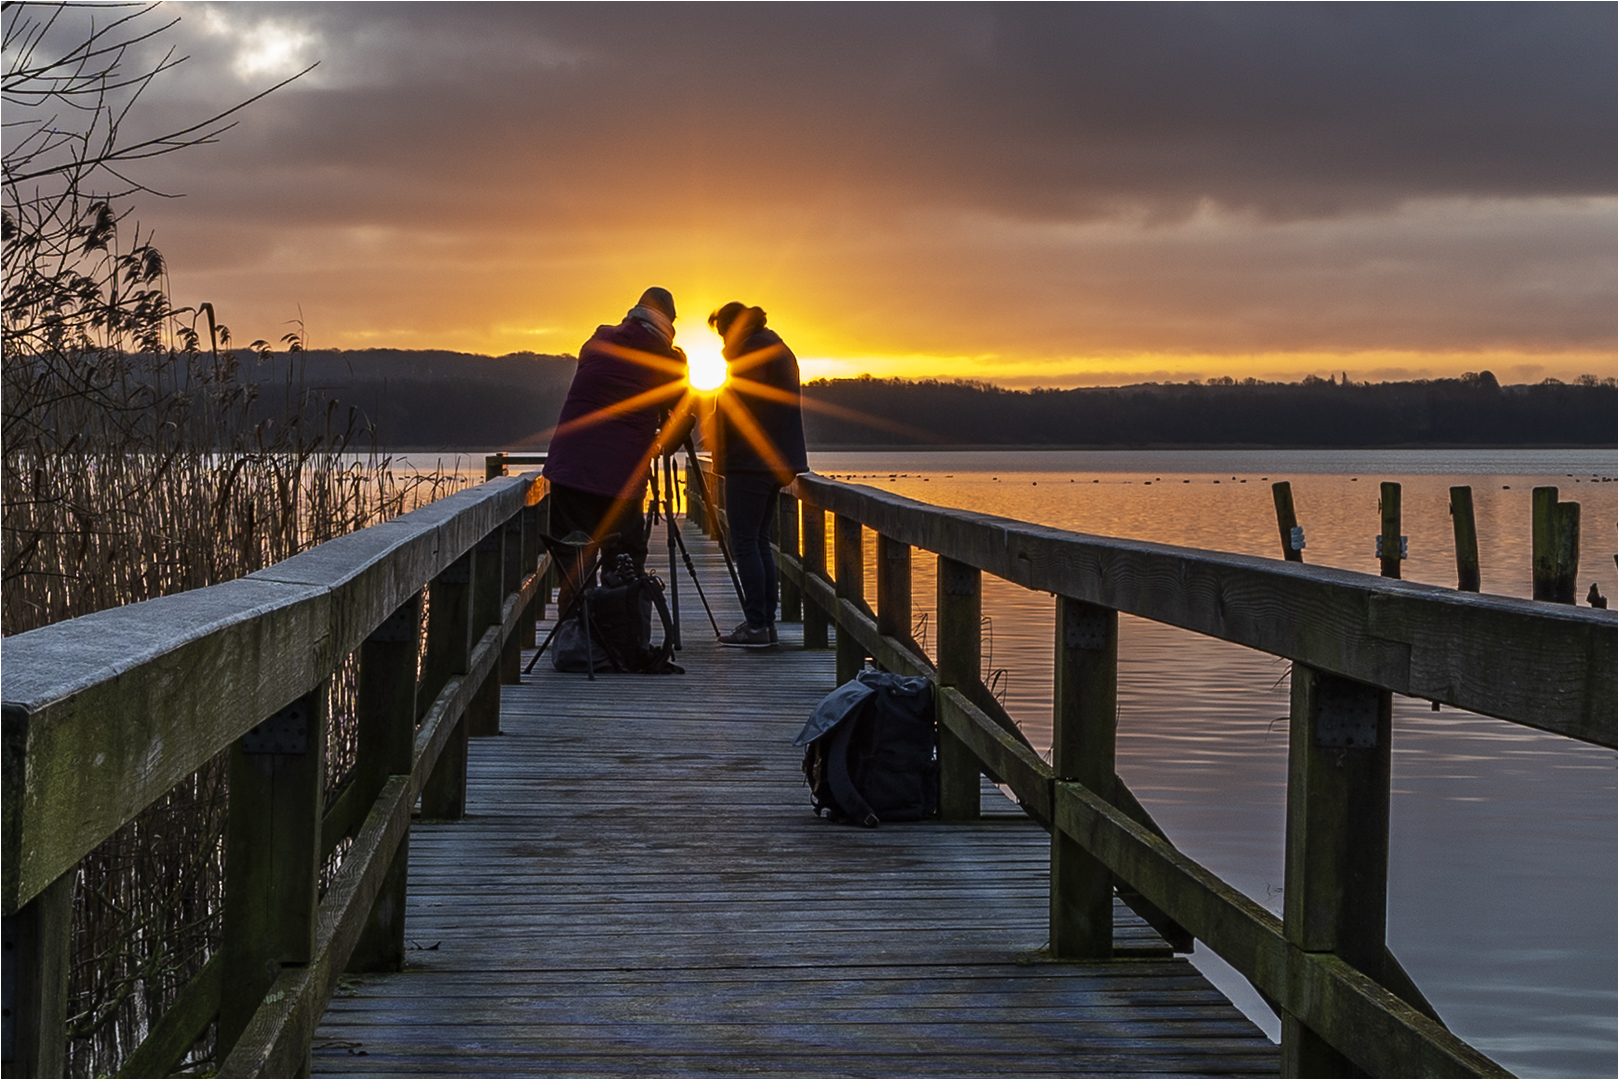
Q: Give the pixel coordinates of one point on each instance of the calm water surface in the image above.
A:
(1502, 898)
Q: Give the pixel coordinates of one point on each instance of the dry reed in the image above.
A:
(131, 476)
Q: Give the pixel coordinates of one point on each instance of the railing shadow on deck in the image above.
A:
(1354, 640)
(104, 714)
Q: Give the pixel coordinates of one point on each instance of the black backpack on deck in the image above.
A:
(870, 751)
(620, 626)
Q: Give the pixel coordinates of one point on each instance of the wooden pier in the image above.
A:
(433, 866)
(639, 888)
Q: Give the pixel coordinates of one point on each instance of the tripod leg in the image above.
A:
(725, 545)
(584, 617)
(692, 570)
(544, 644)
(674, 577)
(563, 615)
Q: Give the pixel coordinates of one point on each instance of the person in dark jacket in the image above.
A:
(761, 449)
(629, 378)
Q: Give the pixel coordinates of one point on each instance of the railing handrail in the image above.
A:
(105, 714)
(1526, 661)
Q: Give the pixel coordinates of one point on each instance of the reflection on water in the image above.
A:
(1502, 869)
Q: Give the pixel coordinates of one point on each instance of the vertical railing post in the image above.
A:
(960, 612)
(848, 554)
(1084, 735)
(387, 734)
(894, 590)
(488, 570)
(449, 653)
(696, 506)
(272, 856)
(1335, 893)
(792, 597)
(37, 956)
(511, 579)
(720, 514)
(530, 563)
(814, 540)
(1461, 520)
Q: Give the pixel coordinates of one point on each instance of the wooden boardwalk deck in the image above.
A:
(639, 888)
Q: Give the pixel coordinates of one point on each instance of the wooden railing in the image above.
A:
(1354, 640)
(106, 713)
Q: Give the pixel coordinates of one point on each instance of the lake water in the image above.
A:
(1502, 894)
(1502, 898)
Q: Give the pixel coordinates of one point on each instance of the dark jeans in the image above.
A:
(573, 510)
(750, 506)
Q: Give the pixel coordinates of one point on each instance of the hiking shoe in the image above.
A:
(772, 633)
(747, 637)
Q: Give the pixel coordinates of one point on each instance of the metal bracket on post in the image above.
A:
(1346, 714)
(1085, 629)
(960, 584)
(283, 732)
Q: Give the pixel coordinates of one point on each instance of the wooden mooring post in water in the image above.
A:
(1287, 522)
(1390, 544)
(1555, 547)
(1555, 551)
(1461, 519)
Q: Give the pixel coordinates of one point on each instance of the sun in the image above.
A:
(708, 370)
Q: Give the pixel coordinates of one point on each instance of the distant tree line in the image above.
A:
(450, 400)
(427, 398)
(1472, 410)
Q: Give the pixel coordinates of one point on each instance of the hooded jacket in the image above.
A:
(610, 418)
(761, 419)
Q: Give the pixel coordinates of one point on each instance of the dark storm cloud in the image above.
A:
(1052, 111)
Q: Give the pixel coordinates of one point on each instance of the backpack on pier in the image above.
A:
(871, 751)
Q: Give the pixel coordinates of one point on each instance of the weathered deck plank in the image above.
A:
(639, 888)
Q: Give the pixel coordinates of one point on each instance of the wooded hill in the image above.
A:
(462, 401)
(1473, 410)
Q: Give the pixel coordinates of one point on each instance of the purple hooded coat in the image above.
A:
(598, 447)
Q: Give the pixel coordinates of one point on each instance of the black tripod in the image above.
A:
(676, 543)
(711, 509)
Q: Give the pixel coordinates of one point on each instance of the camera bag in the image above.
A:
(621, 613)
(871, 751)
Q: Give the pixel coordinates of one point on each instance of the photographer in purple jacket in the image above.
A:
(630, 376)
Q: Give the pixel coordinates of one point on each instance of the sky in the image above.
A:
(1044, 195)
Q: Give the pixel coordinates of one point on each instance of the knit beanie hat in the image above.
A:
(659, 299)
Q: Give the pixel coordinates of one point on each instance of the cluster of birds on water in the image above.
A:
(1596, 478)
